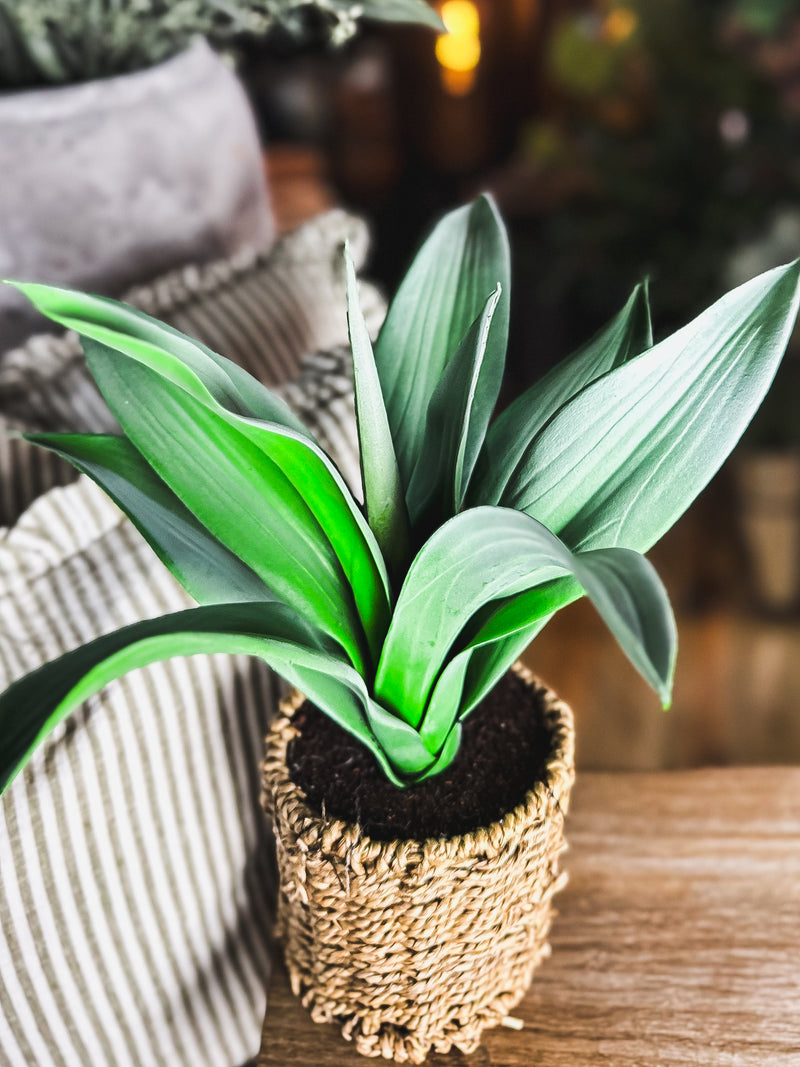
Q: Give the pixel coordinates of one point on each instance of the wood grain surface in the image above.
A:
(677, 942)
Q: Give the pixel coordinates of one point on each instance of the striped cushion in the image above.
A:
(133, 910)
(134, 918)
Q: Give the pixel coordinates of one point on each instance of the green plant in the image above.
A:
(59, 41)
(398, 617)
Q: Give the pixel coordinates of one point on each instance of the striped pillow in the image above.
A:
(134, 913)
(133, 896)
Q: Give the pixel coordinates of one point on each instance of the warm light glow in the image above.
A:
(619, 25)
(461, 18)
(459, 50)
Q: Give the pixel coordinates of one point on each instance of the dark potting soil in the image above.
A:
(503, 751)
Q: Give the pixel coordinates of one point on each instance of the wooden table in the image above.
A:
(677, 942)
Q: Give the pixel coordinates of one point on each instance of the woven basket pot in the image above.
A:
(409, 945)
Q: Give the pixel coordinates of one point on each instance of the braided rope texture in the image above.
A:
(417, 946)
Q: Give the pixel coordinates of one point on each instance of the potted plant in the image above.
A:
(127, 142)
(398, 619)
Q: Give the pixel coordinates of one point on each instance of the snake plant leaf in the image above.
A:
(622, 460)
(383, 491)
(326, 494)
(231, 392)
(343, 694)
(219, 384)
(625, 336)
(448, 753)
(487, 553)
(624, 588)
(34, 705)
(187, 362)
(239, 493)
(335, 693)
(442, 713)
(457, 419)
(494, 640)
(400, 741)
(206, 569)
(473, 672)
(445, 290)
(319, 493)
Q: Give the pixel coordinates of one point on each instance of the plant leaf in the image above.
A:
(207, 570)
(414, 11)
(443, 293)
(330, 499)
(488, 553)
(383, 492)
(337, 693)
(458, 416)
(32, 706)
(343, 694)
(402, 744)
(242, 495)
(622, 460)
(447, 755)
(132, 332)
(625, 336)
(625, 589)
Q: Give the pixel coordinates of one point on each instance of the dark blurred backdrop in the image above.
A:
(622, 139)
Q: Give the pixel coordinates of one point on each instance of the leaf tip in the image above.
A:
(665, 692)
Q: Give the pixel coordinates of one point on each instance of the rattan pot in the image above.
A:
(415, 946)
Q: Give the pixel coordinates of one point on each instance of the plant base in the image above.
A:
(416, 946)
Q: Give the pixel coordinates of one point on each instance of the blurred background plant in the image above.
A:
(674, 128)
(61, 41)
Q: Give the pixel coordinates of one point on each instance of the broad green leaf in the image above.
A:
(383, 492)
(488, 553)
(132, 332)
(342, 693)
(447, 755)
(624, 588)
(230, 391)
(237, 491)
(458, 416)
(622, 460)
(414, 11)
(34, 705)
(443, 293)
(402, 744)
(490, 660)
(337, 694)
(322, 485)
(443, 709)
(317, 487)
(629, 333)
(327, 496)
(205, 568)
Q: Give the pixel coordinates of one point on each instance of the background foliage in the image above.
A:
(60, 41)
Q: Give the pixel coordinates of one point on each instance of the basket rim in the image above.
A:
(318, 832)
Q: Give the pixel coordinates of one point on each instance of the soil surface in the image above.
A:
(503, 752)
